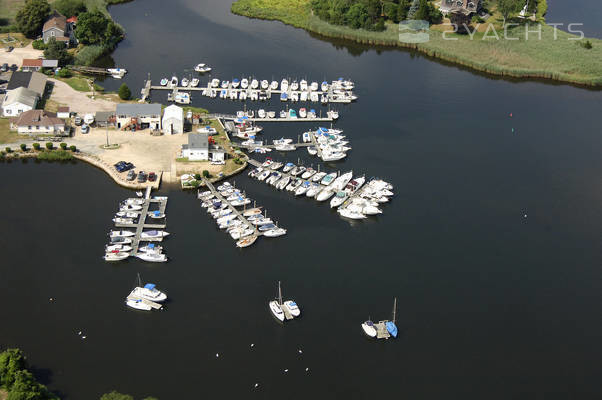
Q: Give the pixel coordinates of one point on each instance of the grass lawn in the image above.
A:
(78, 83)
(6, 135)
(561, 59)
(21, 40)
(9, 8)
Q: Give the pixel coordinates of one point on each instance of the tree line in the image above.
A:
(372, 14)
(20, 384)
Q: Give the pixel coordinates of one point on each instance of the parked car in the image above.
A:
(131, 175)
(14, 67)
(78, 121)
(4, 67)
(152, 177)
(120, 166)
(85, 128)
(10, 48)
(141, 177)
(128, 166)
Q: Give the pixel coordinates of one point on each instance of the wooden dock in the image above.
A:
(141, 225)
(381, 330)
(287, 312)
(238, 214)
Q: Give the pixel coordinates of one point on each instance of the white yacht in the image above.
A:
(350, 213)
(124, 234)
(318, 176)
(116, 255)
(328, 179)
(313, 189)
(152, 257)
(148, 292)
(325, 194)
(274, 85)
(292, 307)
(244, 83)
(153, 234)
(150, 248)
(275, 232)
(284, 85)
(265, 84)
(117, 247)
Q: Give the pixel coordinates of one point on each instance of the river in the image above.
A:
(491, 245)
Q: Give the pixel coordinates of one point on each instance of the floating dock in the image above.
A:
(221, 198)
(381, 330)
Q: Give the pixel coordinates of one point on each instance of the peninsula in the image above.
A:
(545, 52)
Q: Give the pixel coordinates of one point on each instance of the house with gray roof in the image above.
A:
(18, 101)
(38, 122)
(138, 115)
(57, 27)
(35, 81)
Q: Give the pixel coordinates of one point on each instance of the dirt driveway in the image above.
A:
(18, 54)
(78, 102)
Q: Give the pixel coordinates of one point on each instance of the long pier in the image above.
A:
(238, 214)
(230, 117)
(141, 224)
(232, 93)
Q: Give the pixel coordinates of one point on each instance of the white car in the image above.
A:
(218, 162)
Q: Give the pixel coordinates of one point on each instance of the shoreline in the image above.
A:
(579, 68)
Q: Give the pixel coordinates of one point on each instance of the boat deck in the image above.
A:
(149, 303)
(287, 312)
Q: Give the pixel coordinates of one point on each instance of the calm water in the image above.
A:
(491, 304)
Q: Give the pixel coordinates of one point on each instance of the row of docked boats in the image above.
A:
(145, 297)
(243, 225)
(284, 85)
(183, 83)
(330, 144)
(286, 114)
(123, 242)
(354, 197)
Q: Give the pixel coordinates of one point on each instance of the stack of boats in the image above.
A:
(339, 91)
(243, 225)
(145, 297)
(283, 310)
(286, 114)
(354, 197)
(123, 242)
(332, 145)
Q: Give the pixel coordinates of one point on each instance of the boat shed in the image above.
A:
(142, 116)
(173, 120)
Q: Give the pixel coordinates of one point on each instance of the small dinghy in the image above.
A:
(293, 308)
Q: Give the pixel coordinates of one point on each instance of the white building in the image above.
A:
(197, 148)
(142, 115)
(38, 122)
(18, 101)
(173, 120)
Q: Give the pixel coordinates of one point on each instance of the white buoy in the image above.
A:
(83, 337)
(216, 355)
(300, 351)
(252, 344)
(306, 369)
(79, 333)
(286, 370)
(525, 215)
(257, 384)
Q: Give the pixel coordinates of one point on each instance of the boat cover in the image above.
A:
(149, 286)
(151, 246)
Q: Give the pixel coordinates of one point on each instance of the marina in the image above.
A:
(340, 91)
(243, 226)
(134, 214)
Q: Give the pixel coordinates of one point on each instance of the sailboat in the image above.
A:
(391, 327)
(148, 291)
(276, 305)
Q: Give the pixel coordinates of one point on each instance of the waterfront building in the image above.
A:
(38, 122)
(143, 116)
(173, 120)
(18, 101)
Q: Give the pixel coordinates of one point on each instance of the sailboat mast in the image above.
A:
(279, 294)
(394, 308)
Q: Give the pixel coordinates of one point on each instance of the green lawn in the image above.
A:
(560, 59)
(78, 83)
(6, 135)
(9, 8)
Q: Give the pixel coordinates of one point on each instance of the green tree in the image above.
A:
(23, 147)
(91, 27)
(506, 7)
(69, 8)
(31, 17)
(36, 146)
(116, 396)
(65, 73)
(206, 173)
(49, 145)
(56, 50)
(124, 92)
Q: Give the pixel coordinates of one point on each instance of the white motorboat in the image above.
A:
(132, 200)
(198, 67)
(153, 234)
(156, 214)
(235, 83)
(202, 69)
(123, 234)
(241, 232)
(328, 179)
(174, 81)
(252, 211)
(369, 329)
(225, 84)
(254, 84)
(292, 307)
(285, 147)
(265, 84)
(185, 82)
(303, 188)
(263, 175)
(116, 255)
(351, 214)
(241, 202)
(294, 85)
(308, 173)
(124, 221)
(302, 112)
(276, 306)
(164, 82)
(182, 98)
(152, 256)
(274, 85)
(262, 221)
(127, 214)
(333, 156)
(121, 240)
(130, 207)
(148, 291)
(117, 73)
(118, 248)
(342, 180)
(338, 199)
(324, 86)
(261, 113)
(150, 248)
(194, 82)
(244, 83)
(275, 232)
(313, 189)
(215, 83)
(318, 176)
(325, 194)
(138, 304)
(284, 85)
(314, 86)
(283, 114)
(276, 165)
(282, 183)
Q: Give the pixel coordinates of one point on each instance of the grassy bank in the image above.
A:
(561, 59)
(6, 135)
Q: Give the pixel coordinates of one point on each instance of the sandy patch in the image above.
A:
(18, 54)
(78, 102)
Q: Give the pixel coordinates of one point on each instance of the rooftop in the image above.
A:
(56, 20)
(37, 118)
(31, 80)
(21, 95)
(198, 141)
(137, 110)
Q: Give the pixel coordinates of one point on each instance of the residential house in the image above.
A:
(38, 122)
(35, 81)
(142, 116)
(58, 28)
(31, 64)
(465, 7)
(18, 101)
(173, 120)
(198, 149)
